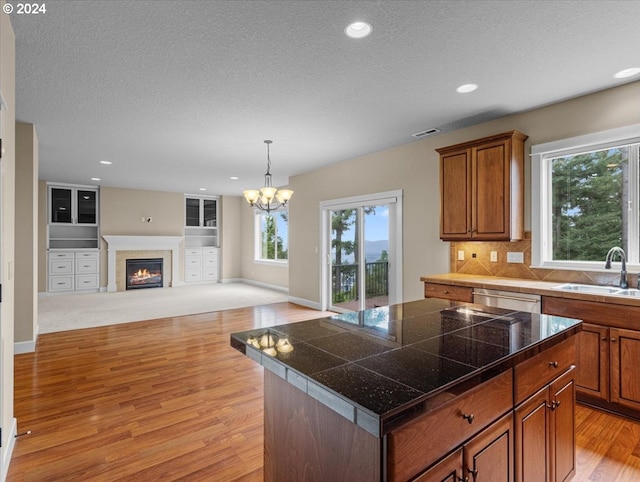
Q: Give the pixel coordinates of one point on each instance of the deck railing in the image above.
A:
(345, 281)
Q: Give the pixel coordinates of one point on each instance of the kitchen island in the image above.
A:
(426, 390)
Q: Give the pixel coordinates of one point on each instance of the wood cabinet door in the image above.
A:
(563, 428)
(448, 469)
(625, 360)
(592, 359)
(532, 439)
(488, 457)
(491, 191)
(455, 195)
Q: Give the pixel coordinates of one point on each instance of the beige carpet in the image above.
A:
(74, 311)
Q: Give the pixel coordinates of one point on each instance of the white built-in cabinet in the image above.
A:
(73, 256)
(201, 234)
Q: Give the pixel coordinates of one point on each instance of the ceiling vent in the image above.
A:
(428, 132)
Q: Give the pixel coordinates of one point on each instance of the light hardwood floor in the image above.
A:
(170, 400)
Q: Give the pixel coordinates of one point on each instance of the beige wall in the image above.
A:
(7, 237)
(26, 250)
(122, 210)
(231, 237)
(414, 168)
(42, 236)
(265, 273)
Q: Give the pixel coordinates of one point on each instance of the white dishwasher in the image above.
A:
(507, 300)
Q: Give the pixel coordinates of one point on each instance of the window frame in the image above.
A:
(541, 156)
(257, 244)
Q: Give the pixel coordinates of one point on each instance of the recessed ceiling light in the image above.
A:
(203, 188)
(358, 29)
(466, 88)
(623, 74)
(95, 179)
(234, 178)
(106, 162)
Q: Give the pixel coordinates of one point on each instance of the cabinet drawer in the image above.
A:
(193, 262)
(534, 373)
(89, 265)
(210, 274)
(61, 283)
(60, 255)
(86, 282)
(210, 251)
(448, 292)
(193, 252)
(193, 275)
(87, 254)
(418, 444)
(209, 261)
(61, 266)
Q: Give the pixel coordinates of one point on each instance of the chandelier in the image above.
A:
(268, 198)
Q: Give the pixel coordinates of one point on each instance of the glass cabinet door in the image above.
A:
(209, 212)
(61, 209)
(192, 212)
(87, 207)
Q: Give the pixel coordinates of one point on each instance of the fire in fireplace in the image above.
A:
(144, 273)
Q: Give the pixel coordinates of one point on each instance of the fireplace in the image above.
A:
(144, 273)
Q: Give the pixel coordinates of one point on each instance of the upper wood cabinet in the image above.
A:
(482, 189)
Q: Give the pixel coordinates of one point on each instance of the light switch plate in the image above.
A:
(460, 255)
(515, 257)
(494, 256)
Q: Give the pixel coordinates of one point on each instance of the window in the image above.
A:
(272, 236)
(586, 189)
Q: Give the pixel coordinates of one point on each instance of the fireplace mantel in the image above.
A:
(133, 243)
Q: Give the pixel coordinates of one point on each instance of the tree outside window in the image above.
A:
(273, 236)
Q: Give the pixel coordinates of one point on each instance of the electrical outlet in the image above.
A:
(461, 255)
(494, 256)
(515, 257)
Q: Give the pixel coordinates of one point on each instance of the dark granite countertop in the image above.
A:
(376, 366)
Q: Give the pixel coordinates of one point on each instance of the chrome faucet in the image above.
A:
(624, 284)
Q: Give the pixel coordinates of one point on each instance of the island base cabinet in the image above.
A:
(545, 433)
(487, 457)
(305, 440)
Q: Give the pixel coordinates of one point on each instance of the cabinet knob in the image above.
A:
(553, 405)
(446, 292)
(613, 339)
(554, 364)
(604, 338)
(468, 417)
(474, 473)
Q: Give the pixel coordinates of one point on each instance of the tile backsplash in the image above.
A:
(477, 260)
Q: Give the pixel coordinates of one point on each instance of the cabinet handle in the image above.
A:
(474, 473)
(613, 339)
(554, 364)
(468, 417)
(604, 338)
(553, 405)
(460, 479)
(446, 292)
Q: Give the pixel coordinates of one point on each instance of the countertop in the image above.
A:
(516, 285)
(379, 366)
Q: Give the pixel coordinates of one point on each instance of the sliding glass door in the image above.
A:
(360, 249)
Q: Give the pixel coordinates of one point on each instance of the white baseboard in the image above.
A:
(7, 451)
(20, 347)
(308, 303)
(255, 283)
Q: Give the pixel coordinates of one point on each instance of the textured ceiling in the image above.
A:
(179, 95)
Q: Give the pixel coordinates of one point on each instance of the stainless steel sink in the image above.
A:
(591, 289)
(629, 292)
(598, 290)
